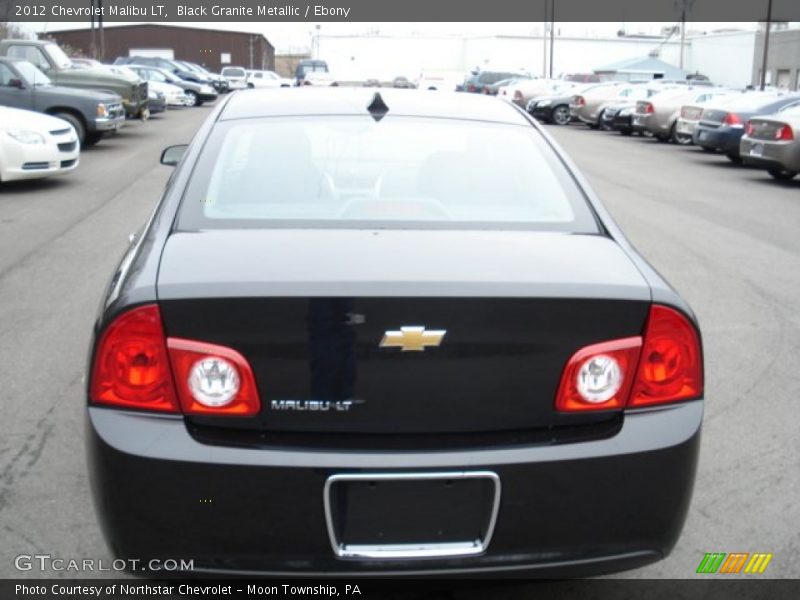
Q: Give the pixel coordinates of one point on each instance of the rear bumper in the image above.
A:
(565, 510)
(725, 139)
(770, 154)
(685, 126)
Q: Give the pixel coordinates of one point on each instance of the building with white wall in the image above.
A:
(726, 58)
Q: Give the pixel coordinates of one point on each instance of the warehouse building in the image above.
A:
(783, 59)
(212, 48)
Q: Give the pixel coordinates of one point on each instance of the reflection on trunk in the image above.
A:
(331, 348)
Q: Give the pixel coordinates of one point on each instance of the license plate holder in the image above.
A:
(411, 515)
(757, 149)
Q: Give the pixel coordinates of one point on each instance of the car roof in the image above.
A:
(308, 101)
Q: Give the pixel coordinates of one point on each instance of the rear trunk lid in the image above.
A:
(309, 309)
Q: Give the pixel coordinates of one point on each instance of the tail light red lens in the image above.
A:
(134, 364)
(648, 108)
(665, 365)
(517, 95)
(749, 129)
(732, 119)
(671, 365)
(580, 101)
(784, 134)
(213, 380)
(131, 366)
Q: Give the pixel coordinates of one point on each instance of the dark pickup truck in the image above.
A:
(49, 58)
(91, 113)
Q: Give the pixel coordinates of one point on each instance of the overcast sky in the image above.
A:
(297, 36)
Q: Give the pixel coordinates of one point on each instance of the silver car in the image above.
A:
(588, 107)
(772, 143)
(659, 115)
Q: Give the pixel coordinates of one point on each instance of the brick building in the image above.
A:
(212, 48)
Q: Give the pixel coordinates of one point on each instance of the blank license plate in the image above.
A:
(757, 150)
(381, 515)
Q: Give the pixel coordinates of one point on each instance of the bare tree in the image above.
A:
(10, 30)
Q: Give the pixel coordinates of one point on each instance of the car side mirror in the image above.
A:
(16, 83)
(172, 155)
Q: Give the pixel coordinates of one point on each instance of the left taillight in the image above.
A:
(136, 366)
(732, 119)
(664, 365)
(131, 366)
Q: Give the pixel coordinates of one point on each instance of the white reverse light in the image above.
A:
(599, 379)
(214, 381)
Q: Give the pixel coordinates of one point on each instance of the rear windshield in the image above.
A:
(233, 72)
(752, 101)
(490, 77)
(354, 172)
(312, 67)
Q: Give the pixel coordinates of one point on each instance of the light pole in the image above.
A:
(552, 32)
(766, 46)
(685, 7)
(544, 40)
(100, 30)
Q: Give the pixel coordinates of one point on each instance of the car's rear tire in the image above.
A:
(560, 115)
(782, 174)
(734, 158)
(77, 124)
(682, 139)
(192, 99)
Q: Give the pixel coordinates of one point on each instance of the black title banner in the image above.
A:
(394, 589)
(398, 11)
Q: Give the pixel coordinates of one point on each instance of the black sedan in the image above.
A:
(619, 117)
(721, 126)
(400, 338)
(551, 109)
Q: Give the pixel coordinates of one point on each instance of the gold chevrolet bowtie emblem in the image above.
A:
(414, 339)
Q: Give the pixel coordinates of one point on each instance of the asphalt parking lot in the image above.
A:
(725, 236)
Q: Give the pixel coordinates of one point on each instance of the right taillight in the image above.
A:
(580, 101)
(648, 108)
(784, 134)
(671, 362)
(664, 365)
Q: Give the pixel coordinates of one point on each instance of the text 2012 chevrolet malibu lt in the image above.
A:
(389, 333)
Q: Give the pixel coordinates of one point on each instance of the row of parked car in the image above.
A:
(758, 128)
(52, 105)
